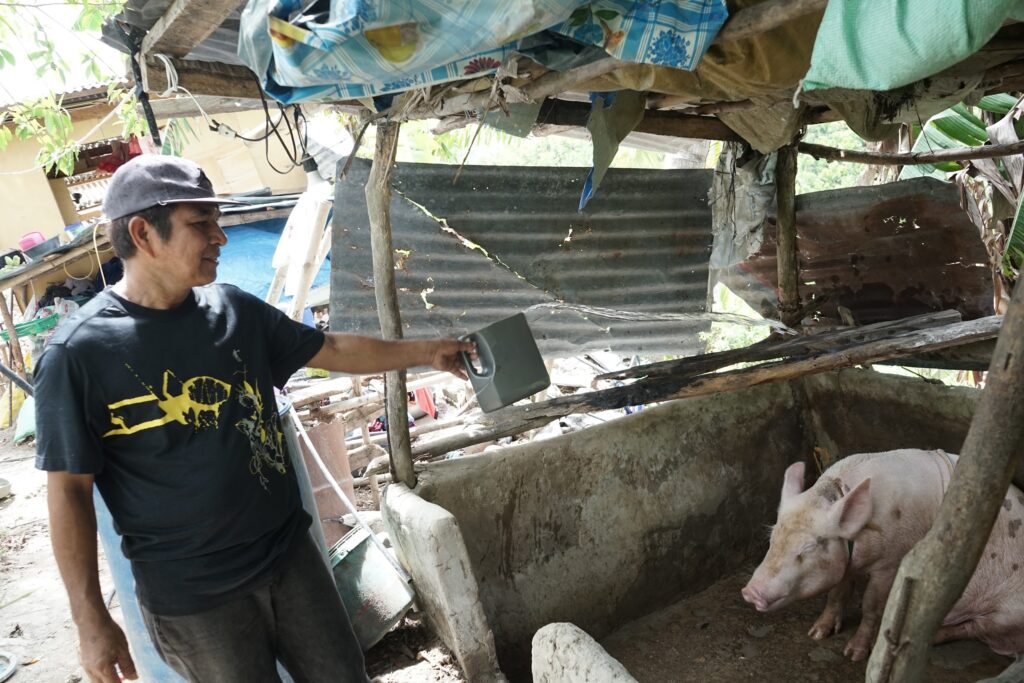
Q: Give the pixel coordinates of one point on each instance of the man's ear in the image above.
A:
(142, 234)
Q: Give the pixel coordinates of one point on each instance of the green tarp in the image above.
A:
(885, 44)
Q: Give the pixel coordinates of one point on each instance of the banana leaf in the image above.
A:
(1013, 254)
(955, 127)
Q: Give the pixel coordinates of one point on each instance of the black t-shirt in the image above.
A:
(173, 412)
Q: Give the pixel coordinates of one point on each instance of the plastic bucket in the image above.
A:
(375, 596)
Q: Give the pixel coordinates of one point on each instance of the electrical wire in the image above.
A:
(295, 149)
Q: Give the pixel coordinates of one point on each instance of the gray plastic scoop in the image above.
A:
(509, 365)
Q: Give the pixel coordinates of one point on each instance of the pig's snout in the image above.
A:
(752, 595)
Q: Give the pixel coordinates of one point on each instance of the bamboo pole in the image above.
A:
(378, 204)
(786, 256)
(519, 419)
(931, 578)
(911, 158)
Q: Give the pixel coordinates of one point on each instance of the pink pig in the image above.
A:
(858, 520)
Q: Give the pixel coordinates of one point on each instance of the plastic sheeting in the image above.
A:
(345, 49)
(246, 259)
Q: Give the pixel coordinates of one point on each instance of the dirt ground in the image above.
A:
(715, 636)
(36, 627)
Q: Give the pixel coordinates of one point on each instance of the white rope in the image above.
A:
(344, 499)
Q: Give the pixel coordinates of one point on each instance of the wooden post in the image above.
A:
(17, 360)
(931, 578)
(787, 258)
(378, 205)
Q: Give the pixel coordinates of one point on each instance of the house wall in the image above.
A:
(31, 202)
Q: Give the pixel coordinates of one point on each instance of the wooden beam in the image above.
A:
(378, 205)
(518, 419)
(185, 24)
(788, 348)
(205, 78)
(17, 359)
(911, 158)
(765, 16)
(183, 105)
(931, 578)
(787, 258)
(674, 124)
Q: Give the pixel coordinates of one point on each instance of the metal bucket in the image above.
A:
(375, 595)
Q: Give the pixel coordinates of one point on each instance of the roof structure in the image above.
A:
(747, 84)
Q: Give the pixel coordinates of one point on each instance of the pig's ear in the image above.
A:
(853, 511)
(793, 483)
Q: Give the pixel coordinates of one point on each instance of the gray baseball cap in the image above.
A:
(153, 179)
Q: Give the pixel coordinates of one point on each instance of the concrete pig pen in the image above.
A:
(642, 530)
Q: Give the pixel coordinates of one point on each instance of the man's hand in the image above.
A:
(101, 646)
(446, 356)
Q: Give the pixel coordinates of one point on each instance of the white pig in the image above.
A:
(858, 520)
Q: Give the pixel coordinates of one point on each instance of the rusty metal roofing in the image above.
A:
(509, 239)
(883, 251)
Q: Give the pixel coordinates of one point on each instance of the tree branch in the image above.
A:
(909, 158)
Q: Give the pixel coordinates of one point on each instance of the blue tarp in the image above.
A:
(246, 259)
(346, 49)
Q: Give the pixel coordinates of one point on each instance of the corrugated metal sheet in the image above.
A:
(641, 246)
(884, 252)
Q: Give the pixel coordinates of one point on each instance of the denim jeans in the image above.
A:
(297, 618)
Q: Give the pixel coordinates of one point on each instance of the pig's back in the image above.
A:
(907, 486)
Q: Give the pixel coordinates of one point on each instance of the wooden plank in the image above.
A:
(185, 24)
(48, 265)
(518, 419)
(205, 78)
(931, 578)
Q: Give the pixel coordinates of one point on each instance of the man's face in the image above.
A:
(191, 253)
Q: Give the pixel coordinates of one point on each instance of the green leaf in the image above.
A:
(606, 14)
(997, 104)
(580, 16)
(7, 55)
(1013, 254)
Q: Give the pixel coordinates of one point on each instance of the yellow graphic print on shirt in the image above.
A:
(197, 402)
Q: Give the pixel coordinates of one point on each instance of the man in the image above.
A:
(159, 392)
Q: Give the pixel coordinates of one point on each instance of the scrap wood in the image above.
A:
(517, 419)
(333, 387)
(769, 349)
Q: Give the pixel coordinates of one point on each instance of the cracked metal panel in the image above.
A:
(885, 252)
(510, 238)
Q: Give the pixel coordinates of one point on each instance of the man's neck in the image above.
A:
(150, 292)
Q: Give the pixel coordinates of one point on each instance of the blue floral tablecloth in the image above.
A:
(346, 49)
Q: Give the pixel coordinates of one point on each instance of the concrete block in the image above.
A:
(564, 653)
(430, 546)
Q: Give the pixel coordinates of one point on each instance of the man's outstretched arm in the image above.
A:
(359, 355)
(73, 533)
